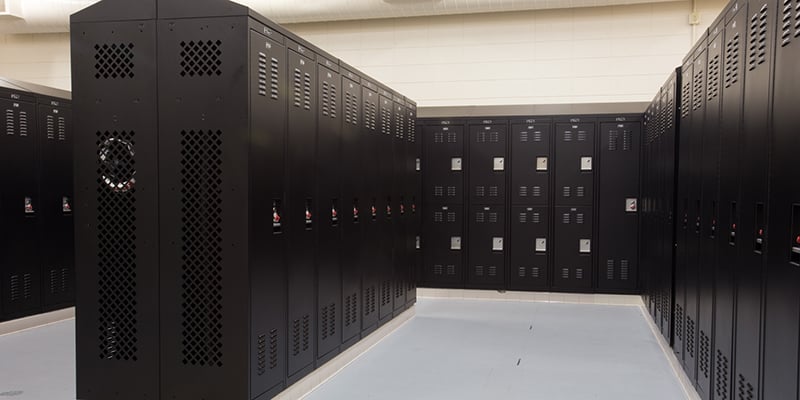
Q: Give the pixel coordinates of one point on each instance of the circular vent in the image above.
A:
(117, 164)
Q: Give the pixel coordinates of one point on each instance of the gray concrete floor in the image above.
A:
(452, 349)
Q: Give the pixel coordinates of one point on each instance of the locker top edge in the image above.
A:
(31, 92)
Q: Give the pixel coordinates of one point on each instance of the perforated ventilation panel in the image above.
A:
(201, 243)
(116, 257)
(757, 48)
(721, 377)
(713, 77)
(745, 390)
(705, 356)
(201, 58)
(732, 61)
(114, 61)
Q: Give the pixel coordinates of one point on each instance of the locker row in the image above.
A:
(720, 146)
(244, 232)
(36, 233)
(531, 203)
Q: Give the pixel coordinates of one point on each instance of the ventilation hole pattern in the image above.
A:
(678, 321)
(201, 244)
(690, 336)
(273, 349)
(370, 114)
(697, 91)
(261, 355)
(262, 74)
(59, 280)
(732, 61)
(686, 92)
(705, 349)
(745, 391)
(713, 77)
(201, 58)
(721, 376)
(351, 109)
(757, 50)
(114, 61)
(116, 260)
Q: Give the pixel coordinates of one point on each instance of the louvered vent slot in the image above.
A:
(400, 128)
(686, 92)
(721, 376)
(746, 391)
(438, 269)
(713, 78)
(697, 93)
(479, 270)
(261, 355)
(537, 136)
(201, 244)
(567, 191)
(757, 50)
(116, 246)
(298, 88)
(705, 349)
(480, 217)
(59, 280)
(494, 137)
(324, 322)
(494, 191)
(438, 191)
(493, 218)
(306, 332)
(613, 139)
(451, 191)
(579, 219)
(11, 123)
(296, 337)
(580, 191)
(438, 216)
(386, 293)
(678, 321)
(568, 136)
(15, 288)
(351, 102)
(565, 273)
(579, 273)
(565, 219)
(451, 270)
(627, 140)
(23, 123)
(523, 137)
(523, 218)
(537, 218)
(326, 107)
(535, 272)
(610, 270)
(370, 115)
(50, 123)
(537, 191)
(201, 58)
(262, 74)
(274, 78)
(582, 136)
(452, 137)
(690, 333)
(624, 270)
(273, 349)
(732, 61)
(492, 270)
(306, 91)
(521, 272)
(480, 191)
(386, 121)
(480, 137)
(114, 61)
(62, 129)
(523, 191)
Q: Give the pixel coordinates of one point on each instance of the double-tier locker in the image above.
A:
(329, 311)
(352, 205)
(530, 242)
(782, 303)
(487, 198)
(618, 204)
(729, 207)
(752, 233)
(573, 204)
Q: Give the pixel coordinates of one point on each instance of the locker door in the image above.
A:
(444, 164)
(22, 208)
(329, 221)
(667, 206)
(387, 203)
(401, 214)
(754, 163)
(487, 164)
(574, 164)
(530, 164)
(683, 222)
(782, 315)
(369, 214)
(444, 245)
(415, 217)
(302, 213)
(56, 227)
(618, 233)
(487, 247)
(729, 201)
(530, 244)
(573, 248)
(353, 208)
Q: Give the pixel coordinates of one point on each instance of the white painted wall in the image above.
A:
(599, 54)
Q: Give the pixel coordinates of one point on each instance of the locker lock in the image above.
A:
(66, 205)
(29, 206)
(402, 209)
(355, 213)
(309, 220)
(334, 215)
(374, 211)
(276, 217)
(732, 239)
(388, 211)
(413, 208)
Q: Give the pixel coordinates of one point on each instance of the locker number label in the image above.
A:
(497, 244)
(586, 163)
(455, 164)
(541, 163)
(499, 164)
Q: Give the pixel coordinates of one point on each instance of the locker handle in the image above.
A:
(277, 227)
(794, 254)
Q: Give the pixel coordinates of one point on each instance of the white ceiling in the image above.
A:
(39, 16)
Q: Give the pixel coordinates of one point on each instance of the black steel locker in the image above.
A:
(782, 304)
(529, 248)
(387, 204)
(22, 208)
(530, 162)
(487, 162)
(116, 148)
(572, 267)
(369, 216)
(353, 205)
(55, 185)
(574, 169)
(414, 230)
(487, 248)
(329, 226)
(754, 163)
(667, 205)
(729, 206)
(303, 217)
(444, 163)
(444, 244)
(709, 229)
(618, 204)
(401, 256)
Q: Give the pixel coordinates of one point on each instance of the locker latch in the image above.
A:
(586, 163)
(455, 164)
(374, 212)
(355, 211)
(419, 165)
(29, 210)
(585, 246)
(795, 256)
(455, 243)
(541, 164)
(309, 220)
(418, 243)
(66, 205)
(276, 217)
(499, 164)
(732, 238)
(541, 245)
(334, 214)
(759, 245)
(497, 244)
(402, 209)
(631, 205)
